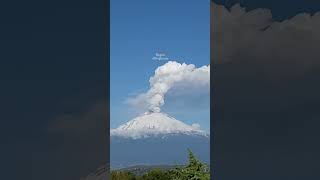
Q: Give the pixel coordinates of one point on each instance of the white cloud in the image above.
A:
(254, 37)
(165, 78)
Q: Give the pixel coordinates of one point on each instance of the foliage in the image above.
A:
(194, 170)
(155, 175)
(122, 175)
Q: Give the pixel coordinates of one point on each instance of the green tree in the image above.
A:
(122, 175)
(155, 174)
(195, 170)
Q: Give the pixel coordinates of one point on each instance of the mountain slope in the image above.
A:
(152, 124)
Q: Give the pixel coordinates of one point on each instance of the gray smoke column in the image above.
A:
(166, 77)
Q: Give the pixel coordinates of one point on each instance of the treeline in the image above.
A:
(194, 170)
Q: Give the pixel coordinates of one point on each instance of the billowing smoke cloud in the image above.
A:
(266, 75)
(253, 37)
(168, 76)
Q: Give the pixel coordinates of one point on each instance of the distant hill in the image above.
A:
(142, 169)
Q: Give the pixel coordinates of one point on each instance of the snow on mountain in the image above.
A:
(153, 124)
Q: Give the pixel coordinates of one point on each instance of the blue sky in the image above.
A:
(141, 28)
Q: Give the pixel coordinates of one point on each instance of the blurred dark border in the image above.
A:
(54, 94)
(107, 58)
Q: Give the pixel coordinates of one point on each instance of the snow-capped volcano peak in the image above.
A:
(152, 123)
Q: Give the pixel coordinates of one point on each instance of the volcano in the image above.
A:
(157, 139)
(155, 124)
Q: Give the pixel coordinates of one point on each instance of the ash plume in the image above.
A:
(165, 78)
